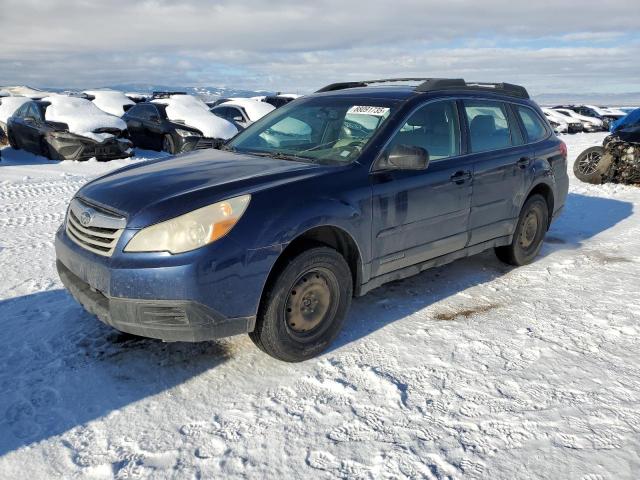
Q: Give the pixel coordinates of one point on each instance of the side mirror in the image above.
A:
(407, 157)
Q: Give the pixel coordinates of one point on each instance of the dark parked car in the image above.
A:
(68, 128)
(151, 125)
(274, 234)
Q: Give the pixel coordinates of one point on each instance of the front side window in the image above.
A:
(22, 111)
(433, 127)
(135, 112)
(532, 124)
(488, 125)
(318, 129)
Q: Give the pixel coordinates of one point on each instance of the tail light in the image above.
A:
(563, 150)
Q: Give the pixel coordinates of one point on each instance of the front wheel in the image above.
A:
(529, 234)
(168, 144)
(593, 165)
(305, 306)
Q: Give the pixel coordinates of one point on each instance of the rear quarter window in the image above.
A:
(533, 125)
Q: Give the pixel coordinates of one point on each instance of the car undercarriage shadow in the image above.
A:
(583, 217)
(60, 367)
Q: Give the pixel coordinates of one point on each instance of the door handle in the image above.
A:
(524, 162)
(460, 176)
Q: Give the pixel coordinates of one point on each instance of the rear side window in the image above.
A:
(532, 124)
(488, 125)
(433, 127)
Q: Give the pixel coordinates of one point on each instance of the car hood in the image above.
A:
(154, 191)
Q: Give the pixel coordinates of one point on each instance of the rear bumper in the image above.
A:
(168, 320)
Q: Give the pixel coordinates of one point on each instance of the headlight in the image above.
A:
(62, 135)
(191, 230)
(187, 133)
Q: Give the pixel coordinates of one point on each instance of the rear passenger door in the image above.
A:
(134, 119)
(422, 214)
(500, 164)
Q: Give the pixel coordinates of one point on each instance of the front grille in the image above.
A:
(93, 229)
(204, 143)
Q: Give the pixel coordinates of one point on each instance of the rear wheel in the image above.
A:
(305, 306)
(529, 234)
(593, 165)
(168, 144)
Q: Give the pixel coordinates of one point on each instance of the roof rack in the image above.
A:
(434, 84)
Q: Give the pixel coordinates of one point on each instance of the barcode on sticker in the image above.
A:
(368, 110)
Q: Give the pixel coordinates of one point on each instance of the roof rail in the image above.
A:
(434, 84)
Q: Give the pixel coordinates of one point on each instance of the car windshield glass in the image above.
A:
(320, 129)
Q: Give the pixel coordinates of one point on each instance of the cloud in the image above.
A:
(286, 44)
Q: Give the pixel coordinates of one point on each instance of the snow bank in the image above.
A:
(8, 106)
(255, 109)
(110, 101)
(195, 113)
(82, 116)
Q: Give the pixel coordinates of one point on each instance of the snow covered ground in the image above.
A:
(472, 370)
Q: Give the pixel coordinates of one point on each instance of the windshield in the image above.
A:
(321, 129)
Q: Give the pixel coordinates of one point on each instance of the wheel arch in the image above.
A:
(328, 235)
(544, 189)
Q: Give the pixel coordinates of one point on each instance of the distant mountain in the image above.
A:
(206, 93)
(629, 99)
(606, 99)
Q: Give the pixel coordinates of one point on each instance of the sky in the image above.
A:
(548, 46)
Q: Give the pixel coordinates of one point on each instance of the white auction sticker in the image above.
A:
(368, 110)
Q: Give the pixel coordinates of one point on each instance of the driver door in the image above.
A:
(423, 214)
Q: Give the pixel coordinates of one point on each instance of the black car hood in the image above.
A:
(146, 193)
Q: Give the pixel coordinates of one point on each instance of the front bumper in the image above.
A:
(199, 143)
(84, 149)
(168, 320)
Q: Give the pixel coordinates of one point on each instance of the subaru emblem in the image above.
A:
(86, 217)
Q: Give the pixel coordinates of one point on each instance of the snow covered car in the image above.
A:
(8, 106)
(590, 124)
(616, 161)
(242, 112)
(561, 123)
(110, 101)
(280, 99)
(179, 123)
(68, 128)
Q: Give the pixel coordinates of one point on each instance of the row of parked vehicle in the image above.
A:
(106, 124)
(579, 118)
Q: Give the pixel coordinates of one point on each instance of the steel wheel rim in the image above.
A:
(311, 303)
(589, 163)
(529, 230)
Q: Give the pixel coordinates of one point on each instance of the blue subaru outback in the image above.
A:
(328, 197)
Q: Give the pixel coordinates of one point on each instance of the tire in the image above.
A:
(593, 165)
(305, 306)
(168, 144)
(529, 235)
